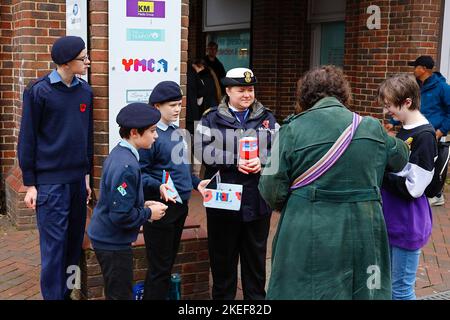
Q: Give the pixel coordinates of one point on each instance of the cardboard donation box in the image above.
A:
(224, 196)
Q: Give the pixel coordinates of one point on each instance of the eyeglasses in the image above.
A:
(84, 59)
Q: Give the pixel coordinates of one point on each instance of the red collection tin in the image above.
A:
(248, 148)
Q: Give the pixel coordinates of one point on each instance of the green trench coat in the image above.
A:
(331, 241)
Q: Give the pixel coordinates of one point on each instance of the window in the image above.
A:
(332, 43)
(234, 48)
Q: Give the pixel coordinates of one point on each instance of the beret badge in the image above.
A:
(247, 77)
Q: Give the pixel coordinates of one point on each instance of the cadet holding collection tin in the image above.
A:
(237, 235)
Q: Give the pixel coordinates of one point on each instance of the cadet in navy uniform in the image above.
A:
(55, 153)
(121, 210)
(162, 238)
(237, 235)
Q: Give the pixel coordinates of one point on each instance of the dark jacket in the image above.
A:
(218, 68)
(195, 90)
(199, 85)
(215, 123)
(120, 210)
(209, 90)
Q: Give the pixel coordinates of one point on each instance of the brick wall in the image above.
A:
(196, 37)
(98, 78)
(184, 56)
(280, 51)
(6, 93)
(28, 29)
(6, 87)
(409, 28)
(192, 263)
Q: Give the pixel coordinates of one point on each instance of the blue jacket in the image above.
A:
(223, 155)
(120, 210)
(435, 102)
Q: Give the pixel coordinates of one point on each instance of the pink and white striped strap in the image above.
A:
(330, 158)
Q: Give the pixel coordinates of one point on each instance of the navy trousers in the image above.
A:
(162, 240)
(61, 219)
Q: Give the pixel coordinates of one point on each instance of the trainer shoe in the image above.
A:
(436, 201)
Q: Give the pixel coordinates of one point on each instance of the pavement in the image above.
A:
(20, 258)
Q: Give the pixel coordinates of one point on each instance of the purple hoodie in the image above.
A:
(406, 209)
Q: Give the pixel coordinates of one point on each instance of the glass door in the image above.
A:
(332, 43)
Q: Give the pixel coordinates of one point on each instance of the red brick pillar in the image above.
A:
(192, 263)
(6, 96)
(409, 28)
(98, 79)
(280, 51)
(197, 38)
(28, 30)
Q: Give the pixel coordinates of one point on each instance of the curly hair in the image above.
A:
(321, 82)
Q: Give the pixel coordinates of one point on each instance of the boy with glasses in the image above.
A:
(55, 156)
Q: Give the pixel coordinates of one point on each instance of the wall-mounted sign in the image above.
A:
(76, 21)
(146, 9)
(144, 49)
(374, 20)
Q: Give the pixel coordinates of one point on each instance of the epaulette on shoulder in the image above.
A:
(34, 82)
(208, 110)
(268, 109)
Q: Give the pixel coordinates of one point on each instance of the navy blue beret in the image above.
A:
(138, 115)
(66, 49)
(165, 91)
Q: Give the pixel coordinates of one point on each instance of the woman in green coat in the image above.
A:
(331, 241)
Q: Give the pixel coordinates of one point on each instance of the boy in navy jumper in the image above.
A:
(406, 209)
(121, 210)
(162, 238)
(55, 152)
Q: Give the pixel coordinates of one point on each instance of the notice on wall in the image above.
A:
(144, 49)
(76, 21)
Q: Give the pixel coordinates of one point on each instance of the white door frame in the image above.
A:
(445, 47)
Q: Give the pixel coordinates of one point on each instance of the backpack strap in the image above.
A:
(330, 158)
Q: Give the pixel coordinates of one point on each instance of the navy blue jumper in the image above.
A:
(55, 152)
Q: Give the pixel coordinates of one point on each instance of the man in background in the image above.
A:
(214, 63)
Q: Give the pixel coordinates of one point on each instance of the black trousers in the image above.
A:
(117, 270)
(231, 239)
(162, 240)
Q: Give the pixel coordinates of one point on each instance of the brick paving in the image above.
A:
(20, 258)
(19, 263)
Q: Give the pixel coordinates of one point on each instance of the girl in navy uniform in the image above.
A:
(55, 153)
(237, 235)
(169, 154)
(121, 210)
